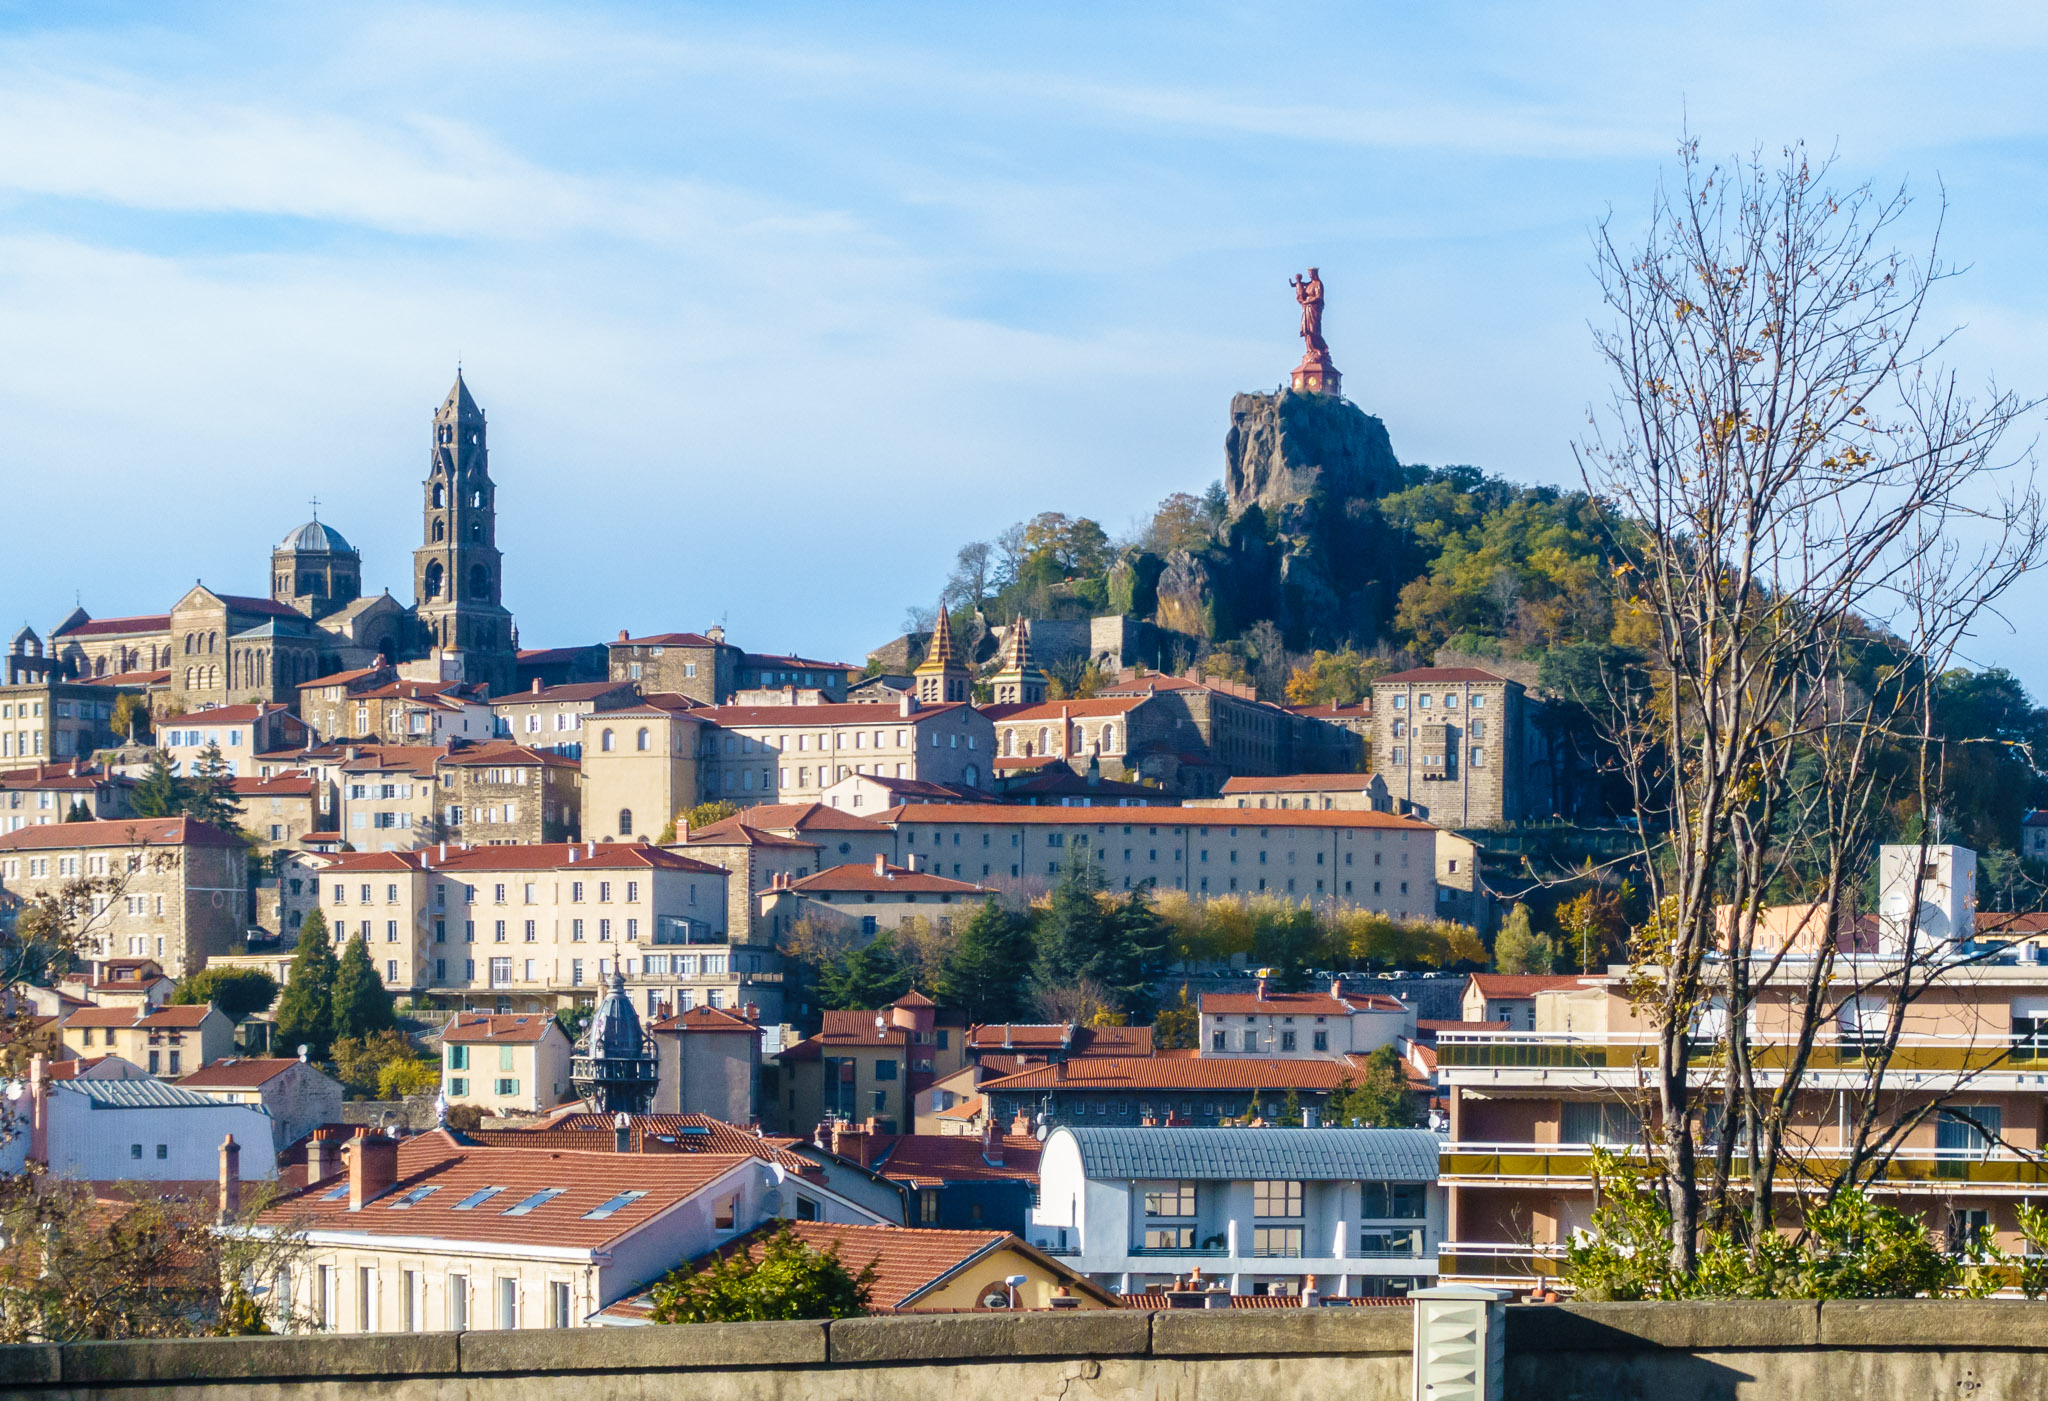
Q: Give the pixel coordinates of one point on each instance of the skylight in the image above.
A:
(540, 1198)
(618, 1203)
(336, 1194)
(477, 1198)
(415, 1197)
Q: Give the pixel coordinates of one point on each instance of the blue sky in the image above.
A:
(771, 307)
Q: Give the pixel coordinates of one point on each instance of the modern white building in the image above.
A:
(1259, 1209)
(143, 1130)
(1328, 1024)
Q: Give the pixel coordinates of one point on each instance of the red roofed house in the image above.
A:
(552, 718)
(45, 793)
(168, 1042)
(501, 794)
(506, 1063)
(299, 1096)
(709, 1063)
(241, 731)
(120, 982)
(863, 1067)
(1367, 791)
(183, 885)
(428, 1234)
(533, 928)
(1137, 1092)
(1510, 997)
(280, 809)
(871, 897)
(1327, 1022)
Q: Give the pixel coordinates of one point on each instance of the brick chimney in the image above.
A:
(1337, 988)
(991, 1145)
(372, 1169)
(1020, 1126)
(536, 685)
(853, 1144)
(230, 1179)
(881, 864)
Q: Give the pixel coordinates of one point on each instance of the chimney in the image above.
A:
(38, 1111)
(536, 685)
(851, 1143)
(881, 865)
(372, 1168)
(991, 1145)
(1262, 987)
(319, 1160)
(230, 1179)
(572, 853)
(622, 1132)
(752, 1011)
(1020, 1126)
(590, 848)
(622, 634)
(444, 853)
(1337, 988)
(906, 705)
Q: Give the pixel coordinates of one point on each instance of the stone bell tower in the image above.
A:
(457, 571)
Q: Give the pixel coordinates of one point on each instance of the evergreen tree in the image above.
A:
(240, 993)
(1382, 1100)
(1287, 944)
(987, 975)
(78, 812)
(1178, 1027)
(1132, 953)
(1519, 949)
(1073, 926)
(210, 794)
(362, 1004)
(159, 794)
(305, 1014)
(867, 977)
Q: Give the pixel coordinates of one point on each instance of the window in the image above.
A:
(1277, 1242)
(538, 1199)
(458, 1303)
(616, 1204)
(1170, 1199)
(558, 1305)
(1276, 1199)
(928, 1207)
(1393, 1201)
(885, 1070)
(508, 1303)
(366, 1299)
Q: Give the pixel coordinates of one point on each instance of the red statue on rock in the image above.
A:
(1315, 374)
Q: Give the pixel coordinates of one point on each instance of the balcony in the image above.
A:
(1571, 1165)
(1498, 1260)
(1539, 1050)
(1199, 1252)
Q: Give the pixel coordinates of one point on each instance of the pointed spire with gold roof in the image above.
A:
(942, 677)
(1019, 682)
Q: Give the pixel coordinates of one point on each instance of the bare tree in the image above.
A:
(968, 586)
(1811, 516)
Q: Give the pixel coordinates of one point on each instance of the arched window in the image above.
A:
(640, 740)
(1009, 743)
(1108, 738)
(432, 582)
(604, 741)
(188, 678)
(973, 775)
(213, 642)
(477, 498)
(188, 644)
(625, 822)
(1044, 740)
(479, 581)
(440, 499)
(99, 666)
(440, 530)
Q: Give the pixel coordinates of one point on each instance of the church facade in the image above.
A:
(214, 648)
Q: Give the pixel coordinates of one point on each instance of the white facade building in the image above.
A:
(143, 1130)
(1260, 1209)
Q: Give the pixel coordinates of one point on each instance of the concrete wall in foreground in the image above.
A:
(1879, 1351)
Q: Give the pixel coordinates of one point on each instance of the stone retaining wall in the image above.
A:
(1879, 1351)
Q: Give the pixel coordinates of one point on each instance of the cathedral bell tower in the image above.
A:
(457, 572)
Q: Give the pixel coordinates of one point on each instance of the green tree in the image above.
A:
(1518, 948)
(1379, 1100)
(1287, 941)
(158, 793)
(1178, 1027)
(987, 974)
(305, 1013)
(1072, 928)
(787, 1279)
(240, 993)
(362, 1004)
(210, 793)
(869, 976)
(131, 717)
(360, 1061)
(1335, 678)
(1133, 952)
(703, 815)
(407, 1076)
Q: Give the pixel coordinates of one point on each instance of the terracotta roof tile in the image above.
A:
(233, 1072)
(932, 1158)
(125, 831)
(894, 880)
(1522, 984)
(1183, 817)
(707, 1019)
(1430, 675)
(497, 1028)
(1302, 782)
(1296, 1004)
(1134, 1073)
(102, 627)
(805, 716)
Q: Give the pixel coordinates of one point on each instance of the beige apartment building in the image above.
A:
(552, 718)
(327, 703)
(46, 793)
(1371, 860)
(168, 1042)
(792, 753)
(709, 1062)
(183, 885)
(871, 897)
(533, 928)
(282, 810)
(516, 1064)
(1450, 744)
(640, 768)
(241, 732)
(401, 711)
(390, 797)
(503, 794)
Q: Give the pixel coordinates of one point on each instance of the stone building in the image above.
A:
(1452, 744)
(299, 1097)
(390, 797)
(702, 666)
(42, 717)
(458, 572)
(502, 794)
(183, 886)
(792, 753)
(943, 677)
(710, 1064)
(552, 717)
(315, 571)
(46, 793)
(241, 732)
(1362, 792)
(401, 711)
(1018, 680)
(328, 703)
(864, 899)
(282, 810)
(640, 768)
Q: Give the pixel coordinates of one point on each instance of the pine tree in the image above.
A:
(1073, 926)
(159, 793)
(210, 795)
(362, 1004)
(1132, 953)
(78, 812)
(305, 1014)
(867, 977)
(987, 975)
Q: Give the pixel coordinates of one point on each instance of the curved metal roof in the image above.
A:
(317, 537)
(1255, 1154)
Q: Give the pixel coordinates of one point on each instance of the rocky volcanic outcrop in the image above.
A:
(1285, 450)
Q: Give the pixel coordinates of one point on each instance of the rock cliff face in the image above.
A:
(1285, 449)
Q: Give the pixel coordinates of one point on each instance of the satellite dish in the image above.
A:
(14, 1090)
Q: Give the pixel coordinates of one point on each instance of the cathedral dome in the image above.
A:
(316, 537)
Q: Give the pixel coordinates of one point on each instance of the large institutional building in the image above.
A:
(216, 648)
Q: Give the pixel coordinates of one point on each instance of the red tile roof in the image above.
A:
(735, 833)
(1433, 1024)
(894, 880)
(1521, 984)
(908, 1262)
(536, 856)
(563, 694)
(126, 678)
(1431, 675)
(582, 1131)
(761, 659)
(933, 1158)
(1296, 1004)
(851, 713)
(342, 678)
(283, 785)
(166, 1018)
(1183, 817)
(796, 817)
(1303, 782)
(707, 1019)
(236, 1073)
(1037, 1037)
(456, 1173)
(125, 831)
(417, 759)
(667, 639)
(102, 627)
(497, 1028)
(1174, 1073)
(1048, 711)
(60, 780)
(1027, 761)
(507, 753)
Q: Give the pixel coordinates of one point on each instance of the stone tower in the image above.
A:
(1019, 682)
(457, 573)
(315, 571)
(942, 677)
